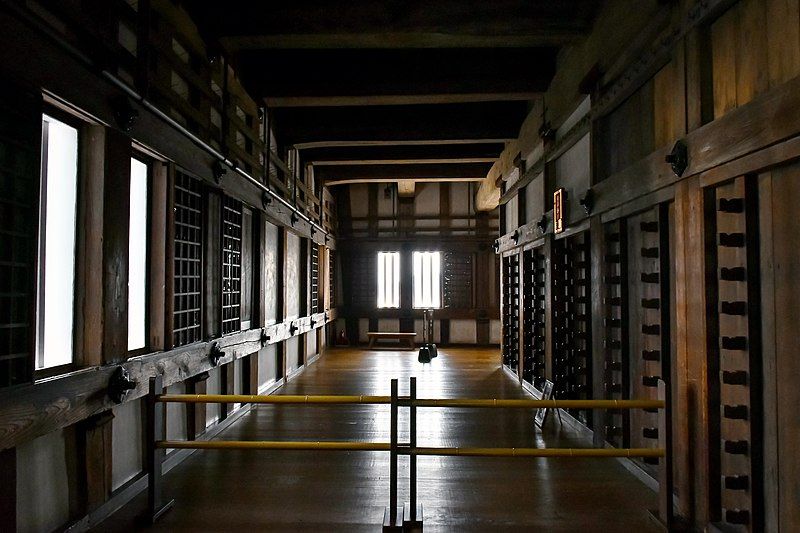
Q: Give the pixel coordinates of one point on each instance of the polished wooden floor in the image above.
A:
(340, 491)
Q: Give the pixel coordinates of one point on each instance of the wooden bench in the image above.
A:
(407, 337)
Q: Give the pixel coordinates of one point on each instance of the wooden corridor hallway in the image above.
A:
(347, 491)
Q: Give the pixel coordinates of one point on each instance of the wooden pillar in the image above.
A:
(94, 445)
(444, 207)
(196, 412)
(598, 248)
(169, 262)
(259, 266)
(250, 373)
(88, 285)
(482, 277)
(160, 233)
(547, 250)
(691, 400)
(212, 267)
(116, 219)
(227, 378)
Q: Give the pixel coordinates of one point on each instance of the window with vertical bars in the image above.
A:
(332, 278)
(188, 260)
(231, 265)
(315, 301)
(388, 279)
(427, 280)
(19, 176)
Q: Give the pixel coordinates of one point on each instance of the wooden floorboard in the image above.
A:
(347, 491)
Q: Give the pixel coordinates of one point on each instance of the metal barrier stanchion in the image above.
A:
(392, 521)
(412, 511)
(155, 455)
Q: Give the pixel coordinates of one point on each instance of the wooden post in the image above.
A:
(116, 218)
(196, 412)
(392, 520)
(155, 456)
(598, 268)
(160, 234)
(94, 438)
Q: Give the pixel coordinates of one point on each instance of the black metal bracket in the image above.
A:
(292, 328)
(515, 236)
(264, 337)
(294, 218)
(542, 224)
(587, 201)
(678, 159)
(219, 170)
(124, 113)
(216, 354)
(266, 199)
(119, 385)
(496, 246)
(546, 132)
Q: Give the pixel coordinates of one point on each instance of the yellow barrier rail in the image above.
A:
(276, 399)
(274, 445)
(549, 404)
(540, 452)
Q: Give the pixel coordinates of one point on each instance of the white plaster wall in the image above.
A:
(461, 205)
(363, 327)
(426, 202)
(495, 332)
(212, 387)
(463, 331)
(271, 272)
(126, 442)
(292, 276)
(176, 415)
(389, 324)
(311, 344)
(43, 484)
(267, 367)
(292, 354)
(418, 328)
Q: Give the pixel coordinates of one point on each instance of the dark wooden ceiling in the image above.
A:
(374, 88)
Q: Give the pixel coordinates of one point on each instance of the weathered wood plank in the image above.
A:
(723, 45)
(783, 40)
(752, 78)
(116, 217)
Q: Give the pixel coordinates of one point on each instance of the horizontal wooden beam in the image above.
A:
(243, 24)
(337, 77)
(483, 121)
(331, 174)
(33, 410)
(485, 152)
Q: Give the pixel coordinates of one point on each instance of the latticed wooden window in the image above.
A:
(315, 301)
(231, 265)
(332, 278)
(19, 174)
(188, 260)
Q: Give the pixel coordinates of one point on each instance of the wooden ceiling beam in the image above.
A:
(403, 154)
(472, 171)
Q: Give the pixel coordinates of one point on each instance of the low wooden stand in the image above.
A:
(402, 337)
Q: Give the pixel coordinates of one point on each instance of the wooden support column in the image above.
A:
(227, 378)
(212, 267)
(691, 429)
(88, 285)
(196, 412)
(116, 219)
(250, 374)
(598, 269)
(483, 277)
(547, 250)
(94, 445)
(260, 267)
(372, 209)
(444, 207)
(160, 233)
(169, 262)
(8, 489)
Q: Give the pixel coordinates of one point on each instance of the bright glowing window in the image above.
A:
(137, 257)
(388, 279)
(427, 280)
(57, 223)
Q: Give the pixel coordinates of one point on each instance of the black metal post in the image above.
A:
(155, 455)
(412, 458)
(391, 520)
